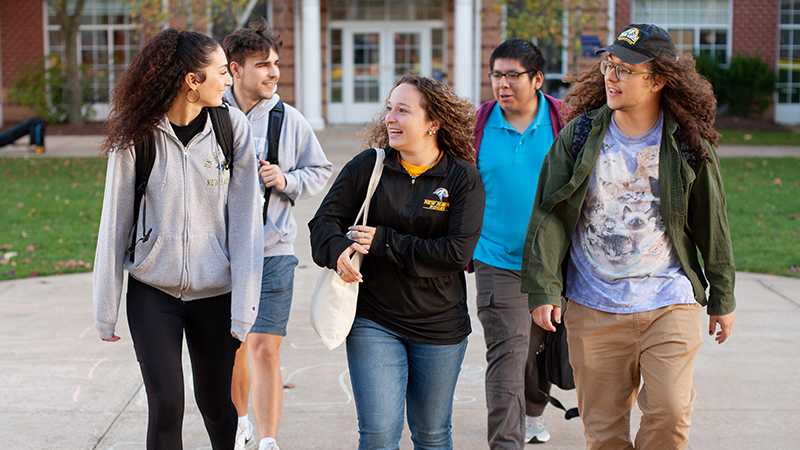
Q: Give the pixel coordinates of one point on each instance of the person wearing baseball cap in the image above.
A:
(629, 193)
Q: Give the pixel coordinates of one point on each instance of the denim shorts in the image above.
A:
(277, 282)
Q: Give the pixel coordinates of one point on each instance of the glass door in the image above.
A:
(367, 61)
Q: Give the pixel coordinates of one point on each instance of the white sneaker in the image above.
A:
(268, 444)
(244, 438)
(535, 430)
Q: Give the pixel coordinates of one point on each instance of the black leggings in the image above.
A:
(157, 323)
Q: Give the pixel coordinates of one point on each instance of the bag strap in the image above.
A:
(377, 171)
(221, 122)
(568, 413)
(580, 134)
(145, 158)
(273, 140)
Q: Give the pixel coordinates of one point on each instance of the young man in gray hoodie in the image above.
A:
(302, 171)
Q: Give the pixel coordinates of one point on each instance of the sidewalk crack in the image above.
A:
(135, 393)
(773, 290)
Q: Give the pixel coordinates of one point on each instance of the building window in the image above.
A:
(387, 9)
(696, 26)
(789, 53)
(107, 41)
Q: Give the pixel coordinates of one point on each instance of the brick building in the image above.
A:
(341, 57)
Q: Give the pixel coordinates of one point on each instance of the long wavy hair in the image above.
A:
(456, 117)
(148, 88)
(687, 95)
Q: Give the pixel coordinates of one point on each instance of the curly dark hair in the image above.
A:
(456, 117)
(148, 88)
(246, 42)
(687, 95)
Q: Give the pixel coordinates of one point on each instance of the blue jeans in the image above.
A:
(390, 373)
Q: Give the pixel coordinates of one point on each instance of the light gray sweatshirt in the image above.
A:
(302, 161)
(204, 223)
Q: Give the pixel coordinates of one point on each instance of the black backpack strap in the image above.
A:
(273, 140)
(580, 134)
(568, 413)
(145, 158)
(221, 122)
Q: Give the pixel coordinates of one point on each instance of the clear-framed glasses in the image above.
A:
(512, 77)
(622, 73)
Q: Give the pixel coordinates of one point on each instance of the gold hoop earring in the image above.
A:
(187, 95)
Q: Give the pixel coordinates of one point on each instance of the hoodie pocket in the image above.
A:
(209, 267)
(157, 262)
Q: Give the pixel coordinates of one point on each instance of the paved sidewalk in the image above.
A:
(62, 388)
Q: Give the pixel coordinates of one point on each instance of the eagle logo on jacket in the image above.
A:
(441, 193)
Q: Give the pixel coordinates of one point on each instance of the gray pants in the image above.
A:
(512, 379)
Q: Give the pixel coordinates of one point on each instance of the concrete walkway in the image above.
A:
(62, 388)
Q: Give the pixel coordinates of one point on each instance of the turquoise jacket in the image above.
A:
(692, 205)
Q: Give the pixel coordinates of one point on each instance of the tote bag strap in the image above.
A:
(377, 171)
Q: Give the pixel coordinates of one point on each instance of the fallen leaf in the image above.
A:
(748, 137)
(6, 247)
(777, 181)
(34, 273)
(30, 248)
(794, 216)
(26, 261)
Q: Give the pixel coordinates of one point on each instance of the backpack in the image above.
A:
(146, 156)
(552, 361)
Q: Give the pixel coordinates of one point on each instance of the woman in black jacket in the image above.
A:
(409, 336)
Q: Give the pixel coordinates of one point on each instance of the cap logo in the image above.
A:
(631, 35)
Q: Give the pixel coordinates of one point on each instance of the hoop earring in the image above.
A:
(187, 96)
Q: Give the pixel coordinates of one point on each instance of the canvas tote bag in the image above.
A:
(333, 304)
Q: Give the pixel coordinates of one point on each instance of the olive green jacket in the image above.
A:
(692, 206)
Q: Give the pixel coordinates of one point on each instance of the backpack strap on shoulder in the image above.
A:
(221, 122)
(145, 158)
(583, 127)
(273, 141)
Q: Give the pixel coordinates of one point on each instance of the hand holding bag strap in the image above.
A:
(333, 304)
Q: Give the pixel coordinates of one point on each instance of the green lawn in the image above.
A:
(50, 211)
(744, 137)
(763, 197)
(49, 214)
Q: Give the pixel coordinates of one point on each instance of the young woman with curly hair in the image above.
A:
(192, 267)
(410, 333)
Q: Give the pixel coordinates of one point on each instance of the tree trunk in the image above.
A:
(70, 24)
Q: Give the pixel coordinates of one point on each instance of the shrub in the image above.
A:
(42, 87)
(753, 82)
(709, 67)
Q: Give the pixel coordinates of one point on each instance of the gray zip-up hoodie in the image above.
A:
(302, 161)
(204, 224)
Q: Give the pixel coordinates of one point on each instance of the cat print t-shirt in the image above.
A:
(621, 258)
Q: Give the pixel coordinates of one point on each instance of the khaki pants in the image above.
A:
(611, 353)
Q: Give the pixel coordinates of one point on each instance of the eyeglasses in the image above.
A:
(622, 73)
(512, 77)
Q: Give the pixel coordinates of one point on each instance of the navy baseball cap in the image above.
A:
(639, 43)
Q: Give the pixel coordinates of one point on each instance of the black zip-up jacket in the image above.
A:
(427, 229)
